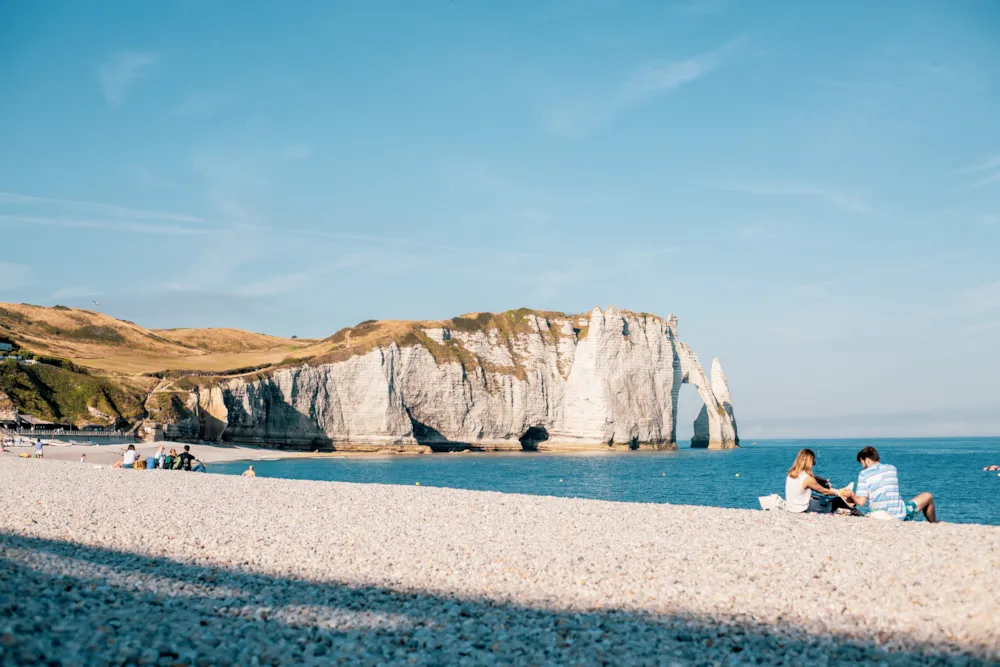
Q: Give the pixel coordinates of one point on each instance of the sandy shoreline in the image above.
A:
(210, 452)
(105, 454)
(314, 572)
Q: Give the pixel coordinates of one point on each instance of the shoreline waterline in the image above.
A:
(951, 469)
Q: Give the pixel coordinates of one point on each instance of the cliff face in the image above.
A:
(518, 380)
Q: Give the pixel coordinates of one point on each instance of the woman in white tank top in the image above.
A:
(800, 484)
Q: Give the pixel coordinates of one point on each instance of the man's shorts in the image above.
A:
(911, 511)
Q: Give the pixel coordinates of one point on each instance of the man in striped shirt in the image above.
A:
(878, 487)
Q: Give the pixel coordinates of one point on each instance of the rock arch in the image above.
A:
(534, 435)
(715, 426)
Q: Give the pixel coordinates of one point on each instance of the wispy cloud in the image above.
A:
(988, 173)
(647, 81)
(137, 227)
(757, 232)
(89, 207)
(986, 180)
(702, 8)
(663, 77)
(992, 163)
(363, 238)
(74, 292)
(14, 276)
(981, 299)
(851, 201)
(294, 152)
(983, 327)
(373, 261)
(549, 284)
(202, 103)
(122, 71)
(280, 284)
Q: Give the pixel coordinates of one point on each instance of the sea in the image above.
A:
(950, 468)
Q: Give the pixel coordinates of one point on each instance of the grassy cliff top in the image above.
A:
(70, 333)
(98, 341)
(107, 357)
(499, 327)
(228, 341)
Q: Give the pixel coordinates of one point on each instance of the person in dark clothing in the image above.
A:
(186, 457)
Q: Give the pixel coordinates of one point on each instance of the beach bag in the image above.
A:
(772, 502)
(140, 464)
(820, 504)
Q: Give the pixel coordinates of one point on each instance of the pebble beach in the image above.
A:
(102, 566)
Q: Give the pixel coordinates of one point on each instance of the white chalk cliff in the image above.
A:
(517, 380)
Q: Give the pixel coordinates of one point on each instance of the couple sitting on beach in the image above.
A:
(878, 488)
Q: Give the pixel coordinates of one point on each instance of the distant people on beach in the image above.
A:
(128, 458)
(805, 491)
(878, 488)
(167, 461)
(38, 449)
(249, 472)
(186, 458)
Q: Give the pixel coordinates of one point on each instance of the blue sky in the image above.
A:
(813, 189)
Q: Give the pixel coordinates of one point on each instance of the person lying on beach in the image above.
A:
(878, 487)
(804, 493)
(249, 472)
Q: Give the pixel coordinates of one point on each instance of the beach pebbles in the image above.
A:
(101, 566)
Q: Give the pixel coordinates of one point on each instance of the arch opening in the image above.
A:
(534, 435)
(690, 410)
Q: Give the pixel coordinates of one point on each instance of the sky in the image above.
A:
(812, 188)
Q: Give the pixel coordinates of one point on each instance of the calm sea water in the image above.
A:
(952, 469)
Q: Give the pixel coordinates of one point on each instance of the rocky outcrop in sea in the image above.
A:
(522, 379)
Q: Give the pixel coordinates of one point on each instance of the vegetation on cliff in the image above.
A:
(89, 359)
(64, 396)
(168, 406)
(95, 340)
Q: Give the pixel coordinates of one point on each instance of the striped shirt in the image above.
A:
(880, 485)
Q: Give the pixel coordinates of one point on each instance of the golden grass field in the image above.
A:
(95, 340)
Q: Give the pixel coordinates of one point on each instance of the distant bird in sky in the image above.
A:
(94, 302)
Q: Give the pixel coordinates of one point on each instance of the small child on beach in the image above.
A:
(83, 458)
